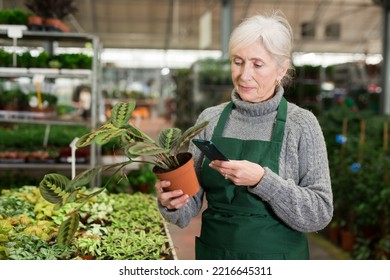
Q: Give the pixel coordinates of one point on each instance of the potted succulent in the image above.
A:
(166, 155)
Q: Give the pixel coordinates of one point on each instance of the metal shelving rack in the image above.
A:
(49, 41)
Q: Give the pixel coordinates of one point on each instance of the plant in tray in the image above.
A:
(166, 154)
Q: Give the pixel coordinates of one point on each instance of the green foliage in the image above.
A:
(5, 58)
(183, 99)
(109, 227)
(31, 247)
(137, 180)
(46, 60)
(137, 143)
(214, 71)
(31, 136)
(136, 231)
(14, 205)
(67, 230)
(13, 16)
(53, 187)
(361, 194)
(57, 189)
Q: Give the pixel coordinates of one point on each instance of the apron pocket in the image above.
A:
(206, 252)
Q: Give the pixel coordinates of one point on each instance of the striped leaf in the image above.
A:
(89, 196)
(137, 134)
(54, 188)
(169, 137)
(190, 133)
(88, 138)
(67, 230)
(121, 113)
(146, 149)
(107, 135)
(85, 177)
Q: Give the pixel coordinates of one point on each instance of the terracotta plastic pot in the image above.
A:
(183, 178)
(57, 24)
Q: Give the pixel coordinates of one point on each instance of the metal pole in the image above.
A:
(226, 25)
(385, 96)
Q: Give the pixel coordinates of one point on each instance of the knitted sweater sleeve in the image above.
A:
(301, 194)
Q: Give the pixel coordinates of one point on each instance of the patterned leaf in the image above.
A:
(108, 135)
(85, 198)
(84, 178)
(54, 188)
(190, 133)
(146, 149)
(88, 138)
(169, 137)
(121, 113)
(137, 134)
(67, 230)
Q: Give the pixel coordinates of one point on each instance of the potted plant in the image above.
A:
(53, 12)
(166, 155)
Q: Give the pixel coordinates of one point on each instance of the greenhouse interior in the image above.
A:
(80, 78)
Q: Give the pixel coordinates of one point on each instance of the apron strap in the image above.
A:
(280, 121)
(218, 130)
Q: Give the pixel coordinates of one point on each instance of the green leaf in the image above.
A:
(5, 226)
(53, 187)
(85, 177)
(137, 134)
(86, 198)
(169, 137)
(146, 149)
(88, 138)
(190, 133)
(67, 230)
(121, 113)
(107, 135)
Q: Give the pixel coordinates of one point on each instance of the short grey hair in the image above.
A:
(272, 31)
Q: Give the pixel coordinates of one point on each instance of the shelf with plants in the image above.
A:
(305, 90)
(30, 146)
(36, 103)
(115, 226)
(211, 85)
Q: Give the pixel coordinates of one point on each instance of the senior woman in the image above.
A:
(276, 185)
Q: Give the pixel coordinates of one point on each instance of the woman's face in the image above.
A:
(255, 72)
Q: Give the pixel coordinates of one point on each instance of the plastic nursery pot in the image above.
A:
(182, 178)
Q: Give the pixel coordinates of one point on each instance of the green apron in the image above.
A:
(238, 224)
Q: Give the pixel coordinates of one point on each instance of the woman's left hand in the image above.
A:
(240, 172)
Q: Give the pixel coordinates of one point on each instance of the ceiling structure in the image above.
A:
(343, 26)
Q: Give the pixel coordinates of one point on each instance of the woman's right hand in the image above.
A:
(170, 199)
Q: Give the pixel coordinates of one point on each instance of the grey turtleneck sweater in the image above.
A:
(301, 194)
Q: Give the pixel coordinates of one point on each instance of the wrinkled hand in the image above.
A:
(170, 199)
(240, 172)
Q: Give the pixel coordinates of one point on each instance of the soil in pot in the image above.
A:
(182, 178)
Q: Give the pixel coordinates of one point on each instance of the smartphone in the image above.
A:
(209, 149)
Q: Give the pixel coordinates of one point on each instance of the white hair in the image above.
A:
(273, 32)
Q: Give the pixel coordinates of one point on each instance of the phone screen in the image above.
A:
(209, 149)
